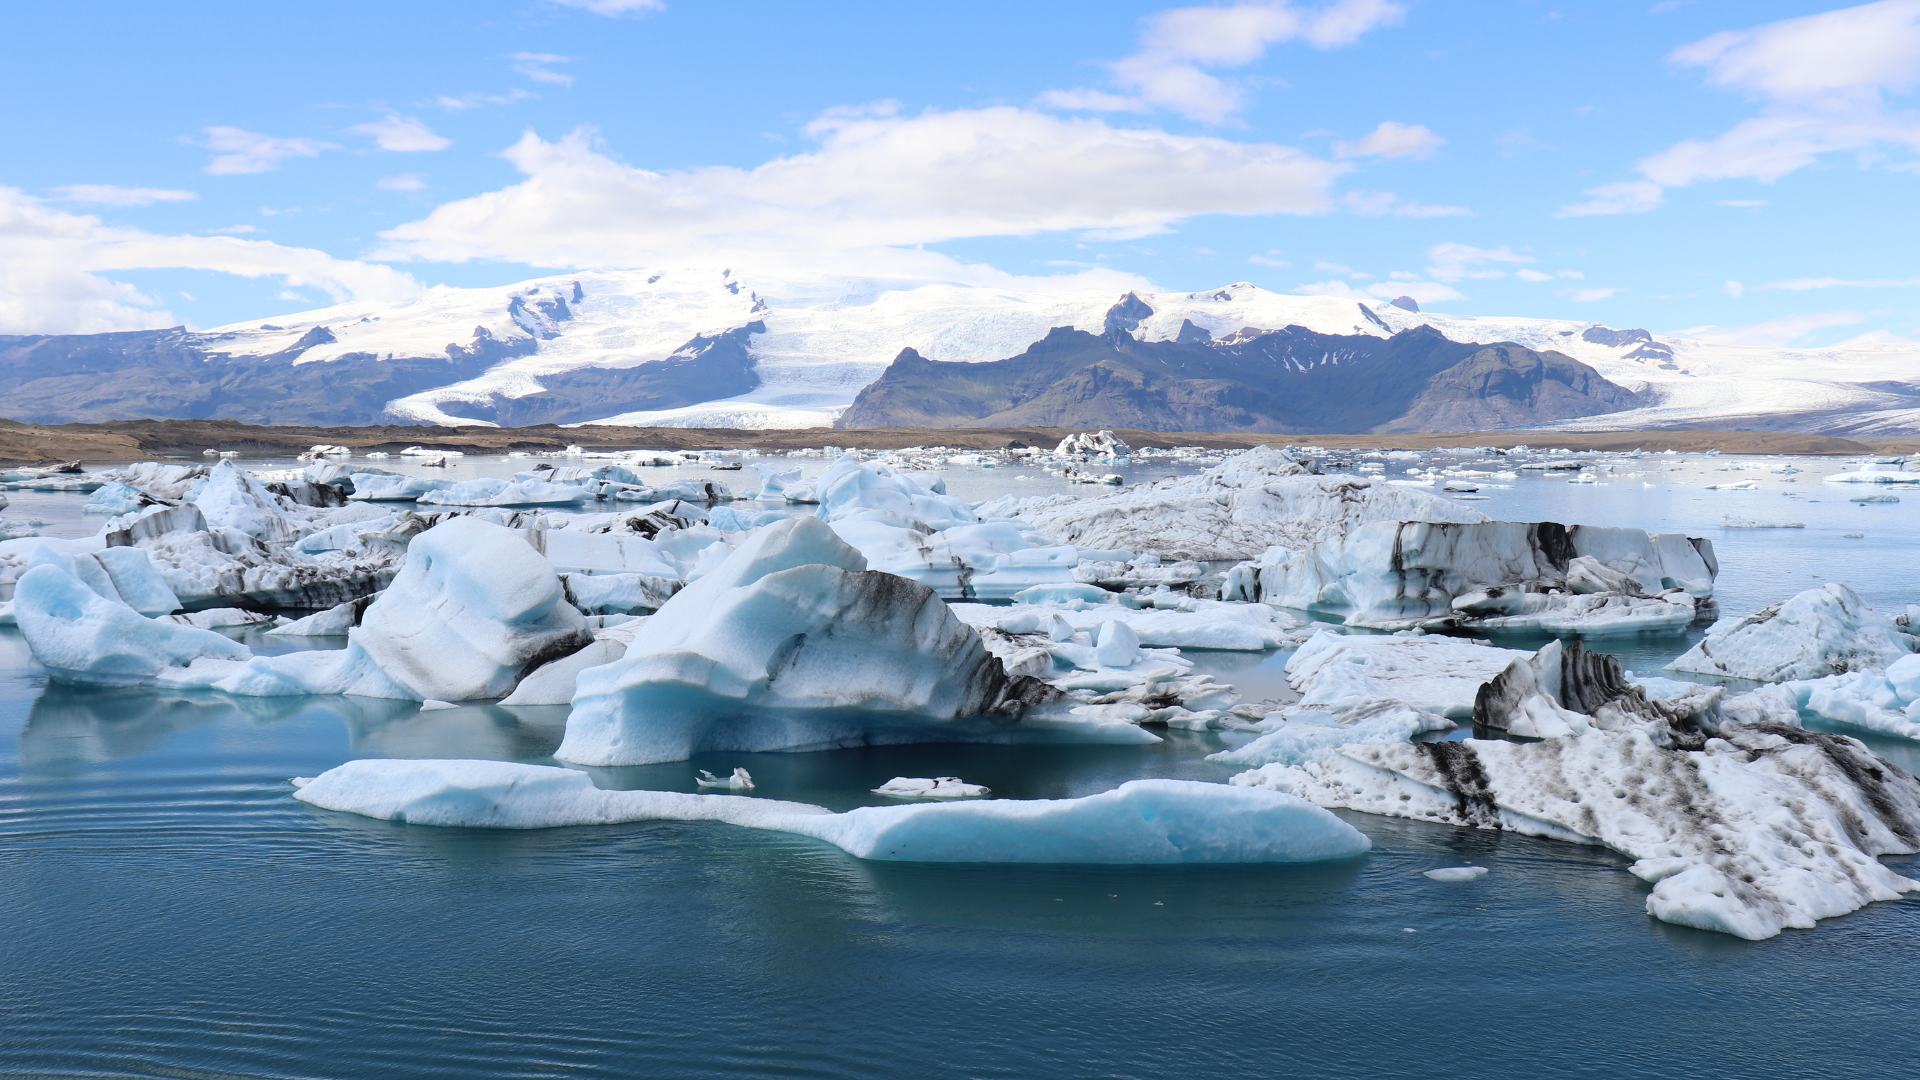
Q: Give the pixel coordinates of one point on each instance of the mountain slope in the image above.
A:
(1290, 380)
(678, 346)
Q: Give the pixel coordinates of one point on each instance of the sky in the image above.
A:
(1745, 172)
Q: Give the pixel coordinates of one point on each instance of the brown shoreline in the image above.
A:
(125, 439)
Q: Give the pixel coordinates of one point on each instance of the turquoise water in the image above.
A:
(167, 909)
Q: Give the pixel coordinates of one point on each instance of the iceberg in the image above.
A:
(990, 561)
(125, 575)
(1744, 826)
(852, 487)
(473, 610)
(1141, 822)
(1823, 631)
(1441, 675)
(389, 487)
(791, 643)
(937, 787)
(84, 638)
(207, 566)
(1205, 624)
(1882, 702)
(490, 491)
(1236, 510)
(1881, 474)
(1396, 575)
(231, 498)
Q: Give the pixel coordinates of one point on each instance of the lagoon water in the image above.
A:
(167, 909)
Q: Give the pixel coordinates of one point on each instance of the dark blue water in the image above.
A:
(168, 910)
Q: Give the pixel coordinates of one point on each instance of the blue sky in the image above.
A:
(1744, 166)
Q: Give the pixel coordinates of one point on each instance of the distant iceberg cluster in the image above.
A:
(866, 605)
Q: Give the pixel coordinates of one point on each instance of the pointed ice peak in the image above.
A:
(1126, 316)
(1405, 303)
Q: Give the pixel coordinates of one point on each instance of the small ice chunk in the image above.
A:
(740, 780)
(939, 787)
(430, 705)
(1456, 873)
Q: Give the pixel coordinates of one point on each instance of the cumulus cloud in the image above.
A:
(1588, 296)
(1821, 81)
(474, 101)
(1392, 140)
(403, 182)
(539, 67)
(875, 182)
(613, 7)
(1169, 71)
(403, 134)
(1734, 289)
(1626, 197)
(1525, 274)
(52, 264)
(109, 195)
(243, 152)
(1775, 333)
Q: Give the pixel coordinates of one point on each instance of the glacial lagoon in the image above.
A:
(170, 909)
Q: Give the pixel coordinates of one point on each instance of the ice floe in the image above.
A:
(1823, 631)
(1141, 822)
(489, 491)
(84, 638)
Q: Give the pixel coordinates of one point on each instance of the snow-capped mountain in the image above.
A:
(724, 348)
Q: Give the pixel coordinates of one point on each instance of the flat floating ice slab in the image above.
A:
(1144, 821)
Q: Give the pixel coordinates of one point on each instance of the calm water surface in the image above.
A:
(167, 909)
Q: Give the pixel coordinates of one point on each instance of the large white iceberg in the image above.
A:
(491, 491)
(791, 643)
(990, 560)
(1144, 821)
(1391, 575)
(1236, 510)
(852, 487)
(1826, 630)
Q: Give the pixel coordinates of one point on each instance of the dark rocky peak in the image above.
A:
(1192, 335)
(1614, 339)
(1243, 335)
(1646, 348)
(319, 335)
(1126, 316)
(1373, 318)
(578, 295)
(736, 339)
(1405, 303)
(538, 318)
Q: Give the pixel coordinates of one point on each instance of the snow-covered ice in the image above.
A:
(1823, 631)
(936, 787)
(490, 491)
(1142, 822)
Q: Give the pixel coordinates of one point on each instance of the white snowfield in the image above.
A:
(827, 336)
(1826, 630)
(1141, 822)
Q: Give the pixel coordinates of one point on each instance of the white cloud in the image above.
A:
(1803, 284)
(1269, 260)
(52, 265)
(1424, 292)
(403, 134)
(1820, 80)
(1331, 268)
(1525, 274)
(233, 230)
(1452, 262)
(1090, 101)
(474, 101)
(1626, 197)
(109, 195)
(1387, 204)
(614, 7)
(539, 67)
(875, 182)
(1588, 296)
(243, 152)
(1575, 274)
(1392, 140)
(1177, 45)
(1734, 289)
(1741, 204)
(403, 182)
(1774, 332)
